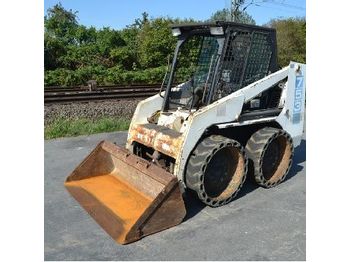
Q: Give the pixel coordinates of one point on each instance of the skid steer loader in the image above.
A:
(227, 108)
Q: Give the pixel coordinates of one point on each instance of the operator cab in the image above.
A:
(213, 60)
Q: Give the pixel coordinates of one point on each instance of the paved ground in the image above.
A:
(261, 224)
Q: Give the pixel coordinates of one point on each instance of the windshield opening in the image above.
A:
(193, 73)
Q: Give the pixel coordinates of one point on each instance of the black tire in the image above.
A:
(216, 170)
(270, 151)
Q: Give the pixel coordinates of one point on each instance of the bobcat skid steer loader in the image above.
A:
(226, 106)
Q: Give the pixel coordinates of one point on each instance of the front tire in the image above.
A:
(271, 152)
(216, 170)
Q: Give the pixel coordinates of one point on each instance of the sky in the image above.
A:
(118, 14)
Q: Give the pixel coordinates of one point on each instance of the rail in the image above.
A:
(84, 94)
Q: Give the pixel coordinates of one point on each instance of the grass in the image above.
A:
(67, 128)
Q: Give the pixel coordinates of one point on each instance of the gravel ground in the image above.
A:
(90, 110)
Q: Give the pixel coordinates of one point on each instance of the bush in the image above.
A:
(75, 54)
(291, 39)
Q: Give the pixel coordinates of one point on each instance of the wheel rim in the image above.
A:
(276, 159)
(224, 173)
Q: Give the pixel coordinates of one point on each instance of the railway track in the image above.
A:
(83, 94)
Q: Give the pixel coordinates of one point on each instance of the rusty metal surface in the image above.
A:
(162, 139)
(126, 195)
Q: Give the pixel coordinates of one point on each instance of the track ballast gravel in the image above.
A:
(90, 110)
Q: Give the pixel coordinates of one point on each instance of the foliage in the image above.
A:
(138, 53)
(60, 22)
(225, 15)
(75, 54)
(155, 42)
(291, 39)
(60, 26)
(64, 127)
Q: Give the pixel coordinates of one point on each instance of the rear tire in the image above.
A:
(270, 150)
(216, 170)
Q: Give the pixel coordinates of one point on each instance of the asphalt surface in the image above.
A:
(260, 224)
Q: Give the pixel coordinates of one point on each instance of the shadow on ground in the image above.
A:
(194, 205)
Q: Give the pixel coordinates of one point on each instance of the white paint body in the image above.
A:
(225, 112)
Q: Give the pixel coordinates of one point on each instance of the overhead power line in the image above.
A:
(291, 11)
(238, 6)
(283, 4)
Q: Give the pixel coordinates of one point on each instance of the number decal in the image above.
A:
(298, 99)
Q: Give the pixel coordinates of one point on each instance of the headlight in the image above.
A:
(176, 31)
(217, 30)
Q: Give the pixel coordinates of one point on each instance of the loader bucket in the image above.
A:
(128, 196)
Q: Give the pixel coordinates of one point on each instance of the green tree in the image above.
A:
(60, 25)
(53, 49)
(155, 43)
(140, 22)
(291, 39)
(127, 56)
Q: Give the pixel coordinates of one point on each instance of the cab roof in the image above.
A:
(224, 24)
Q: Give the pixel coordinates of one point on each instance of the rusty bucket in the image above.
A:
(127, 196)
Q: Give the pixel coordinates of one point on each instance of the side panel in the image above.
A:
(222, 111)
(260, 86)
(293, 113)
(144, 109)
